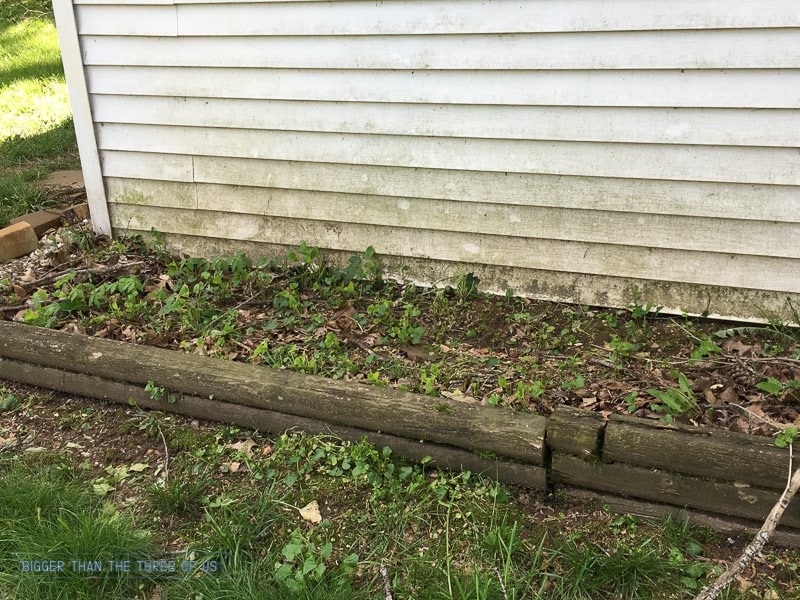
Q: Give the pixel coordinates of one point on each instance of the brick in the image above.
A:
(41, 220)
(77, 211)
(17, 240)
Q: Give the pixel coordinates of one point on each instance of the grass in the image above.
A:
(36, 132)
(45, 513)
(242, 533)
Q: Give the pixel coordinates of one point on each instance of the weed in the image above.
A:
(182, 494)
(621, 349)
(786, 437)
(8, 400)
(676, 401)
(778, 388)
(159, 393)
(467, 286)
(406, 329)
(640, 313)
(706, 348)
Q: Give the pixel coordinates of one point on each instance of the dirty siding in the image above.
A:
(568, 149)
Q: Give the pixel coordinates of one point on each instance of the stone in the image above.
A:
(17, 240)
(78, 211)
(41, 220)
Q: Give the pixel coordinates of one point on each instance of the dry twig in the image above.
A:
(762, 537)
(387, 584)
(502, 585)
(166, 453)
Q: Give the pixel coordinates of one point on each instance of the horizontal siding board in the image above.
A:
(165, 167)
(141, 192)
(774, 88)
(681, 198)
(600, 259)
(732, 49)
(724, 127)
(160, 20)
(697, 163)
(476, 16)
(310, 17)
(130, 2)
(629, 229)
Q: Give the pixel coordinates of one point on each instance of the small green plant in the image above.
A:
(159, 393)
(467, 286)
(777, 388)
(181, 494)
(572, 384)
(303, 561)
(622, 349)
(705, 348)
(786, 437)
(407, 330)
(640, 313)
(8, 400)
(676, 401)
(631, 401)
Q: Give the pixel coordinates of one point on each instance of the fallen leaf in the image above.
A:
(30, 276)
(729, 395)
(101, 489)
(417, 353)
(736, 345)
(454, 395)
(245, 447)
(744, 584)
(710, 397)
(310, 512)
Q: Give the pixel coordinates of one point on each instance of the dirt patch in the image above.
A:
(63, 179)
(64, 187)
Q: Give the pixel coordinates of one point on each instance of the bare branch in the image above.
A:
(754, 548)
(387, 584)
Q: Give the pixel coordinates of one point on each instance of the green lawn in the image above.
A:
(36, 132)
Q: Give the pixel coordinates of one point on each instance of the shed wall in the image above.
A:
(569, 149)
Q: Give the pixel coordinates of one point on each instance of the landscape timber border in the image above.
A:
(722, 479)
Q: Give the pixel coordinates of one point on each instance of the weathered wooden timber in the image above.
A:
(700, 451)
(727, 498)
(447, 457)
(575, 431)
(518, 436)
(725, 525)
(651, 466)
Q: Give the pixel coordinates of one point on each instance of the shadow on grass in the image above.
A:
(21, 151)
(21, 10)
(24, 160)
(33, 54)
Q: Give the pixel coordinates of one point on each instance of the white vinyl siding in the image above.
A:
(643, 143)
